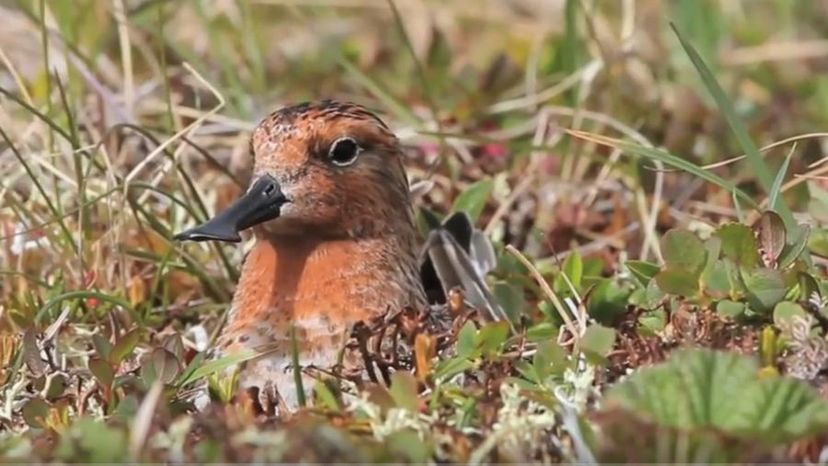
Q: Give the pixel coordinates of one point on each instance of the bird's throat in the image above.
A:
(321, 286)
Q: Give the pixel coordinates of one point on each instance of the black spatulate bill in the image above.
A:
(262, 202)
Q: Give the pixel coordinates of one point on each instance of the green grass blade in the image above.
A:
(753, 156)
(737, 206)
(216, 365)
(40, 115)
(773, 196)
(668, 159)
(82, 295)
(297, 369)
(40, 189)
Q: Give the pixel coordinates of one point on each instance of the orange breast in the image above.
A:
(294, 281)
(321, 288)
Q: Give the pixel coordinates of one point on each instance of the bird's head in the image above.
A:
(326, 169)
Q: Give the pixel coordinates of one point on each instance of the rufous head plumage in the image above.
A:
(327, 168)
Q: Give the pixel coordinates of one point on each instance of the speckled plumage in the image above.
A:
(343, 250)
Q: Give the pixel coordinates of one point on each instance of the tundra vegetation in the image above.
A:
(648, 178)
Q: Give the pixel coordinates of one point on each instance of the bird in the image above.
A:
(335, 243)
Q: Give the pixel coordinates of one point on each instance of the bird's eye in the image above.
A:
(344, 151)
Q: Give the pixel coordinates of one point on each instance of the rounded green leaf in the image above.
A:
(765, 288)
(683, 250)
(607, 302)
(598, 341)
(818, 242)
(161, 364)
(678, 282)
(642, 271)
(784, 312)
(653, 321)
(699, 390)
(739, 244)
(730, 308)
(716, 279)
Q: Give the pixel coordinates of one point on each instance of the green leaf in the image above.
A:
(730, 308)
(573, 268)
(792, 410)
(818, 242)
(160, 364)
(642, 271)
(465, 340)
(325, 396)
(92, 441)
(653, 295)
(684, 251)
(218, 365)
(511, 298)
(474, 198)
(678, 282)
(716, 279)
(700, 389)
(102, 371)
(713, 245)
(808, 285)
(785, 311)
(607, 302)
(491, 337)
(598, 341)
(124, 346)
(449, 368)
(592, 267)
(541, 332)
(102, 345)
(654, 321)
(794, 250)
(549, 358)
(56, 387)
(776, 187)
(188, 371)
(739, 244)
(765, 288)
(408, 443)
